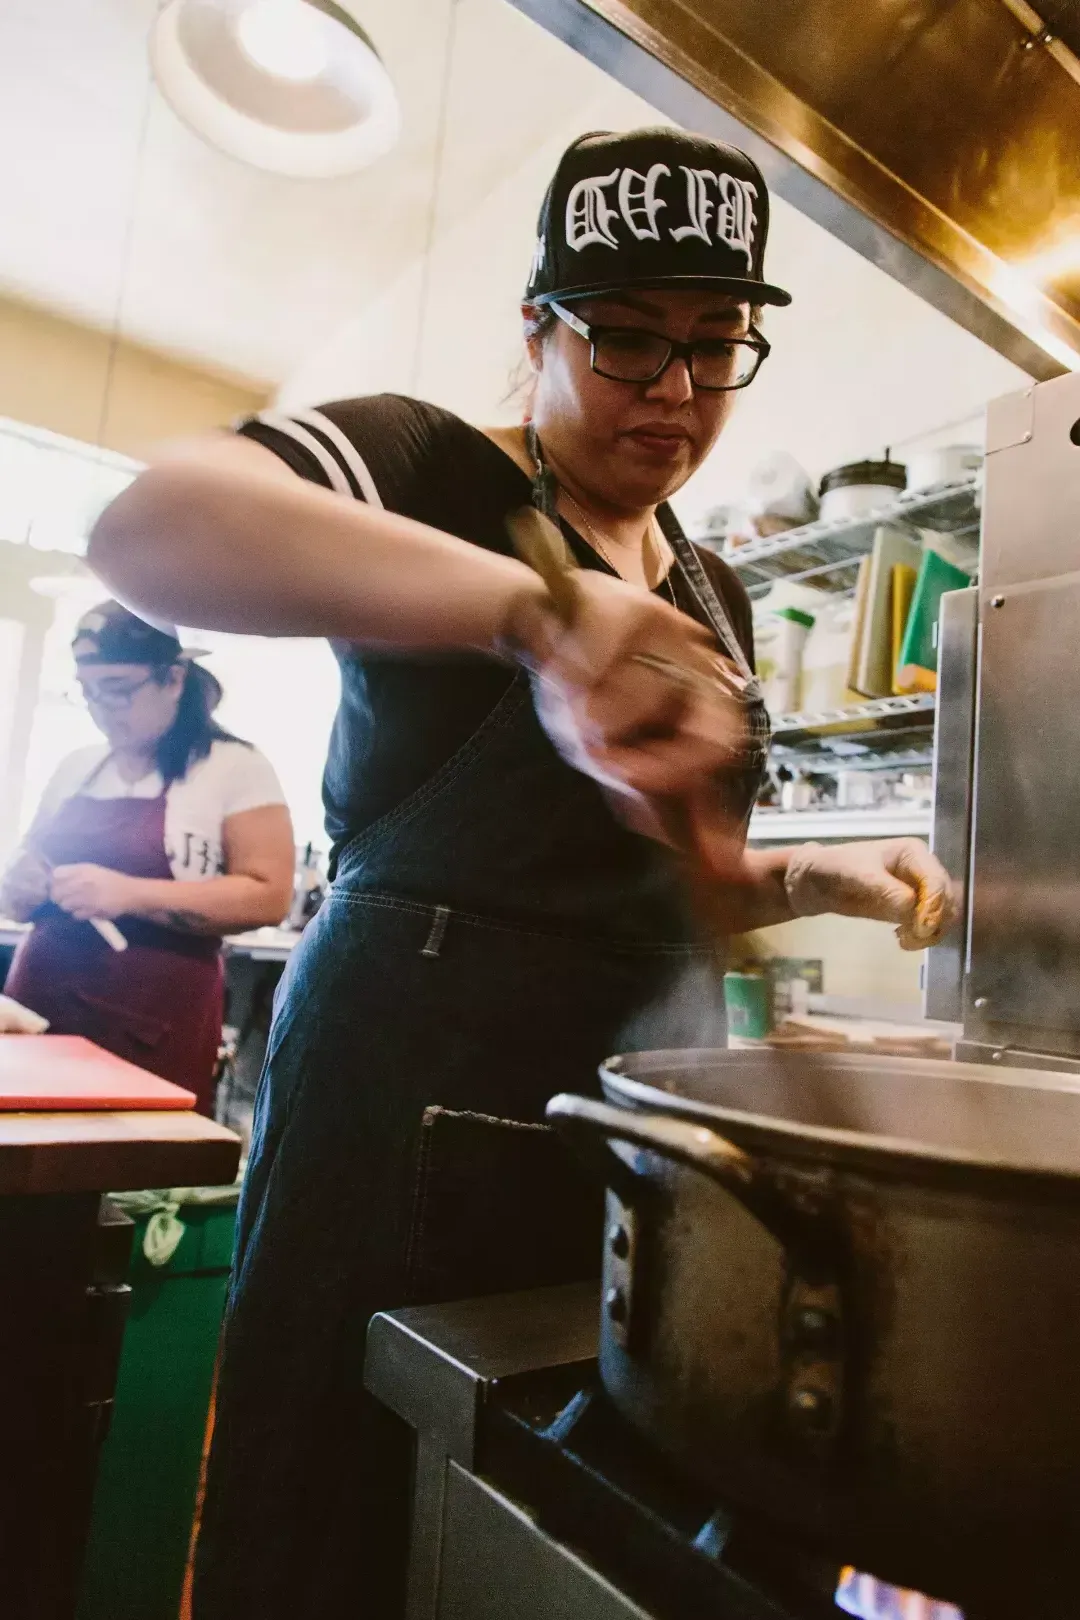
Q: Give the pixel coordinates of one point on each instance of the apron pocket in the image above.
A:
(122, 1030)
(498, 1206)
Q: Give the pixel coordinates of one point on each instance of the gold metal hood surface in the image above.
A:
(941, 138)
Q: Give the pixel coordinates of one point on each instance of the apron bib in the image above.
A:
(438, 999)
(159, 1003)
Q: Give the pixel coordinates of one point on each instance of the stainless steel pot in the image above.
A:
(845, 1293)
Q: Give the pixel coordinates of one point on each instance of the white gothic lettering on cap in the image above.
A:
(638, 201)
(735, 217)
(699, 205)
(539, 254)
(734, 210)
(589, 214)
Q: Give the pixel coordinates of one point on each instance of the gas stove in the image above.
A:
(534, 1500)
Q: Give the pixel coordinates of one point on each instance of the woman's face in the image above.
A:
(632, 445)
(132, 704)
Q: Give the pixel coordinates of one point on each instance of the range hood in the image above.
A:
(939, 138)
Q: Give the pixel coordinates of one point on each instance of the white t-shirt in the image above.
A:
(232, 778)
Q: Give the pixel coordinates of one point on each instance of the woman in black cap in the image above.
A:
(143, 853)
(505, 766)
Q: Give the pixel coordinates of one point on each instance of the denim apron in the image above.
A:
(436, 977)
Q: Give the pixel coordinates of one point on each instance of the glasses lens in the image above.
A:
(110, 697)
(724, 364)
(631, 356)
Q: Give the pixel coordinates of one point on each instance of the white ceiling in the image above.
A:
(107, 204)
(107, 201)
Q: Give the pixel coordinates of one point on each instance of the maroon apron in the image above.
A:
(157, 1004)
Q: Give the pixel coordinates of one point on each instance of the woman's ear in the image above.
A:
(534, 342)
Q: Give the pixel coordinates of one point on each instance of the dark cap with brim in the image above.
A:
(653, 208)
(110, 634)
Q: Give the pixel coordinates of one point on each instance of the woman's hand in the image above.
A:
(86, 891)
(25, 886)
(634, 694)
(893, 880)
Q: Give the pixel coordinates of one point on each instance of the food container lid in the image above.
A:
(796, 615)
(889, 474)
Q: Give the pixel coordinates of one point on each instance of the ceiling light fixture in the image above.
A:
(292, 86)
(285, 38)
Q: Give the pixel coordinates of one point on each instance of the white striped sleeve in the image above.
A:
(347, 451)
(292, 429)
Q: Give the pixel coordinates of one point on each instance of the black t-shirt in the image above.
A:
(401, 718)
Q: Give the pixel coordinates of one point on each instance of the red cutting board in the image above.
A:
(65, 1071)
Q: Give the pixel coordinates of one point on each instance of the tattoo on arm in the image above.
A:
(187, 922)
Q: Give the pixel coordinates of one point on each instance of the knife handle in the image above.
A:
(109, 933)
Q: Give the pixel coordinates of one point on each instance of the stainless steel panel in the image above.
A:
(499, 1565)
(1031, 498)
(1011, 1057)
(1024, 979)
(1010, 420)
(426, 1529)
(429, 1364)
(954, 727)
(931, 136)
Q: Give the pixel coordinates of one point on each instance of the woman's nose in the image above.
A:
(673, 385)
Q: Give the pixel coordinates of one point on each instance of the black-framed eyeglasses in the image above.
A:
(112, 694)
(633, 354)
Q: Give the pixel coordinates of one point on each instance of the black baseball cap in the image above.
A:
(650, 208)
(111, 634)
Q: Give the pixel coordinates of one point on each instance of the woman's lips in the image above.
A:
(664, 443)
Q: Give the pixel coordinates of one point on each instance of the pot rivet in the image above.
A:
(997, 601)
(812, 1321)
(995, 1057)
(620, 1242)
(980, 1001)
(615, 1300)
(812, 1403)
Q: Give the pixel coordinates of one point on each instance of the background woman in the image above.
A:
(174, 830)
(498, 922)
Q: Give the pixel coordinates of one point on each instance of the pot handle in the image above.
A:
(795, 1221)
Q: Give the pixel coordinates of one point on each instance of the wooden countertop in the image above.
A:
(113, 1152)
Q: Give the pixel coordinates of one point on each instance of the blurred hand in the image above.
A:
(25, 886)
(893, 880)
(15, 1019)
(87, 891)
(654, 738)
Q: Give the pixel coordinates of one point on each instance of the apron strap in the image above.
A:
(705, 592)
(545, 494)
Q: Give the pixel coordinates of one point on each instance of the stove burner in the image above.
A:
(522, 1464)
(592, 1482)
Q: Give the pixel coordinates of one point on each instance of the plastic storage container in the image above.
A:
(860, 488)
(826, 657)
(148, 1477)
(747, 997)
(779, 638)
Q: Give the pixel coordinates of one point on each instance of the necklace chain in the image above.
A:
(597, 540)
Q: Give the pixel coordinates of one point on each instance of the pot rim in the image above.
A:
(901, 1156)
